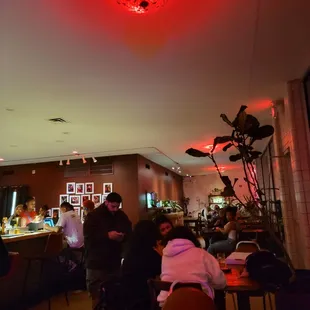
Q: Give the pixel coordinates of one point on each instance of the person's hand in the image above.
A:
(116, 236)
(217, 229)
(159, 249)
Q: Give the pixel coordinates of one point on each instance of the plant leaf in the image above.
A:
(263, 132)
(235, 157)
(220, 140)
(196, 153)
(240, 118)
(226, 120)
(251, 125)
(235, 181)
(227, 146)
(226, 180)
(228, 191)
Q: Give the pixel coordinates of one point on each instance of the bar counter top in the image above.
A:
(25, 236)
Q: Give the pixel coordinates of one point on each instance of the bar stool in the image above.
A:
(53, 248)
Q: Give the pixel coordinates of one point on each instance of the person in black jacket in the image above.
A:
(142, 262)
(105, 229)
(4, 259)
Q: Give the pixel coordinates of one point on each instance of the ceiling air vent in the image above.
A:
(57, 120)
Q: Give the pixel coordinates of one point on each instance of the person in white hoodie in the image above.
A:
(185, 262)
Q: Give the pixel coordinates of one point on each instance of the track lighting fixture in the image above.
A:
(68, 162)
(94, 159)
(84, 160)
(60, 163)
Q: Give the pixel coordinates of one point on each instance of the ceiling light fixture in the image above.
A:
(1, 159)
(94, 159)
(60, 163)
(68, 162)
(84, 160)
(75, 152)
(173, 168)
(142, 6)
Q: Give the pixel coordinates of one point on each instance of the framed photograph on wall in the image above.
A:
(75, 200)
(79, 188)
(96, 199)
(77, 211)
(63, 198)
(71, 188)
(89, 188)
(85, 198)
(107, 188)
(104, 197)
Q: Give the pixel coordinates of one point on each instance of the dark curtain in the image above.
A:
(22, 193)
(6, 199)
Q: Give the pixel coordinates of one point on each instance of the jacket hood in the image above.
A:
(177, 246)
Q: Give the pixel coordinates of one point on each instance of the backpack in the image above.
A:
(267, 270)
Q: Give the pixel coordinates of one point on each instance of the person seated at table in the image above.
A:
(184, 261)
(29, 211)
(15, 217)
(164, 225)
(4, 259)
(44, 212)
(71, 226)
(221, 221)
(230, 230)
(141, 262)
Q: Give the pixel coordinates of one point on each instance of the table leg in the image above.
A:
(243, 300)
(220, 300)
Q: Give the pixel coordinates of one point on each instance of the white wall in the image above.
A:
(198, 188)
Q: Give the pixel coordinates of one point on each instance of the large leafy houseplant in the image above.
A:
(245, 130)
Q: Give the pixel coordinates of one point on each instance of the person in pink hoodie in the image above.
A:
(184, 261)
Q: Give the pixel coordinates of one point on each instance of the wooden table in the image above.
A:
(253, 231)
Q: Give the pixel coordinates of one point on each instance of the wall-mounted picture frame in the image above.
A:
(84, 198)
(107, 188)
(89, 188)
(63, 198)
(77, 210)
(96, 198)
(55, 214)
(79, 188)
(104, 197)
(75, 200)
(71, 188)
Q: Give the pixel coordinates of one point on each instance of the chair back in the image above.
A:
(189, 298)
(54, 244)
(247, 247)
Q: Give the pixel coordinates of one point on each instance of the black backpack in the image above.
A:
(267, 270)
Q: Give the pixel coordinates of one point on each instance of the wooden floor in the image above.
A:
(81, 301)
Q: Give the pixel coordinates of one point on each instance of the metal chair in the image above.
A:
(247, 247)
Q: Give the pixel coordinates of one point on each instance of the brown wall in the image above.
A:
(155, 180)
(131, 179)
(49, 182)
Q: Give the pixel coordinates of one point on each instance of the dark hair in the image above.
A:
(27, 201)
(45, 208)
(161, 219)
(67, 206)
(182, 232)
(114, 197)
(144, 237)
(232, 210)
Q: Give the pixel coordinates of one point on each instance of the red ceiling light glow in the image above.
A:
(142, 6)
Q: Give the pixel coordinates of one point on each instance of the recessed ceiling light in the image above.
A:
(1, 159)
(75, 152)
(209, 147)
(9, 109)
(173, 168)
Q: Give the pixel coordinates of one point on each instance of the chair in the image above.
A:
(189, 298)
(53, 248)
(156, 286)
(247, 247)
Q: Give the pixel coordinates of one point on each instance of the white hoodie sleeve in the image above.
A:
(217, 278)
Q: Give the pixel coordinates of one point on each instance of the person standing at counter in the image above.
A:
(29, 212)
(14, 218)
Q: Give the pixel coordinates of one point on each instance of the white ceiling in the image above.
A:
(128, 83)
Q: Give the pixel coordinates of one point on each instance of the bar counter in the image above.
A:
(25, 236)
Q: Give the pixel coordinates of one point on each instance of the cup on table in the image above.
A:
(221, 259)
